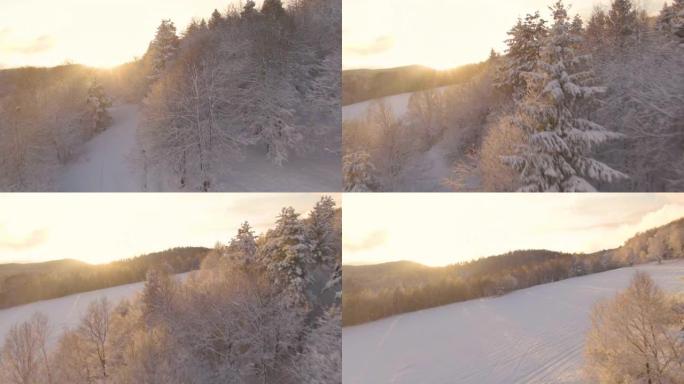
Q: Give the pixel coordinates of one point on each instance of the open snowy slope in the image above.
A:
(535, 335)
(65, 312)
(105, 164)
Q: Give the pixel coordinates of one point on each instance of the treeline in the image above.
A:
(366, 84)
(615, 79)
(264, 78)
(45, 116)
(62, 278)
(493, 276)
(262, 309)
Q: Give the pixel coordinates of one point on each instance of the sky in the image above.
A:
(442, 229)
(98, 228)
(99, 33)
(438, 33)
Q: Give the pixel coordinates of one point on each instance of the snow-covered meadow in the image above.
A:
(66, 312)
(534, 335)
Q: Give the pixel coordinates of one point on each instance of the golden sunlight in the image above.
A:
(102, 33)
(439, 34)
(442, 229)
(103, 227)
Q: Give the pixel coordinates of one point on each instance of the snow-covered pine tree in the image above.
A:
(321, 231)
(622, 22)
(559, 136)
(97, 103)
(249, 10)
(359, 173)
(287, 255)
(524, 44)
(597, 29)
(157, 294)
(321, 361)
(671, 19)
(273, 9)
(216, 19)
(577, 26)
(163, 48)
(242, 248)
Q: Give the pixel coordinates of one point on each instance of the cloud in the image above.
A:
(379, 45)
(38, 45)
(373, 240)
(32, 240)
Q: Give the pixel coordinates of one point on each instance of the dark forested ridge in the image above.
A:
(377, 291)
(26, 283)
(365, 84)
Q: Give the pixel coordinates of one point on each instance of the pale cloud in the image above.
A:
(102, 227)
(20, 242)
(379, 45)
(440, 229)
(372, 241)
(100, 33)
(440, 33)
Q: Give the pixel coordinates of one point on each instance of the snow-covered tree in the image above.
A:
(597, 29)
(157, 295)
(249, 10)
(94, 329)
(287, 255)
(242, 248)
(163, 48)
(359, 173)
(322, 232)
(216, 19)
(622, 22)
(636, 337)
(97, 103)
(321, 361)
(553, 116)
(273, 9)
(524, 47)
(24, 355)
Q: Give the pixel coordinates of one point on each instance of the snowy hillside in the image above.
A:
(66, 312)
(535, 335)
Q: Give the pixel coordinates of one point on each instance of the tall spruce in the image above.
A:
(555, 157)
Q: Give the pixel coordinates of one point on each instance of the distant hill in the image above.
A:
(26, 283)
(366, 84)
(372, 292)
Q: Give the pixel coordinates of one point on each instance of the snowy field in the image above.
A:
(535, 335)
(108, 164)
(65, 312)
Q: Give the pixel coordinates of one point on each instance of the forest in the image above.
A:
(26, 283)
(574, 104)
(260, 81)
(261, 309)
(376, 292)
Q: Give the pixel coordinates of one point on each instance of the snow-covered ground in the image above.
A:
(104, 165)
(107, 164)
(65, 312)
(535, 335)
